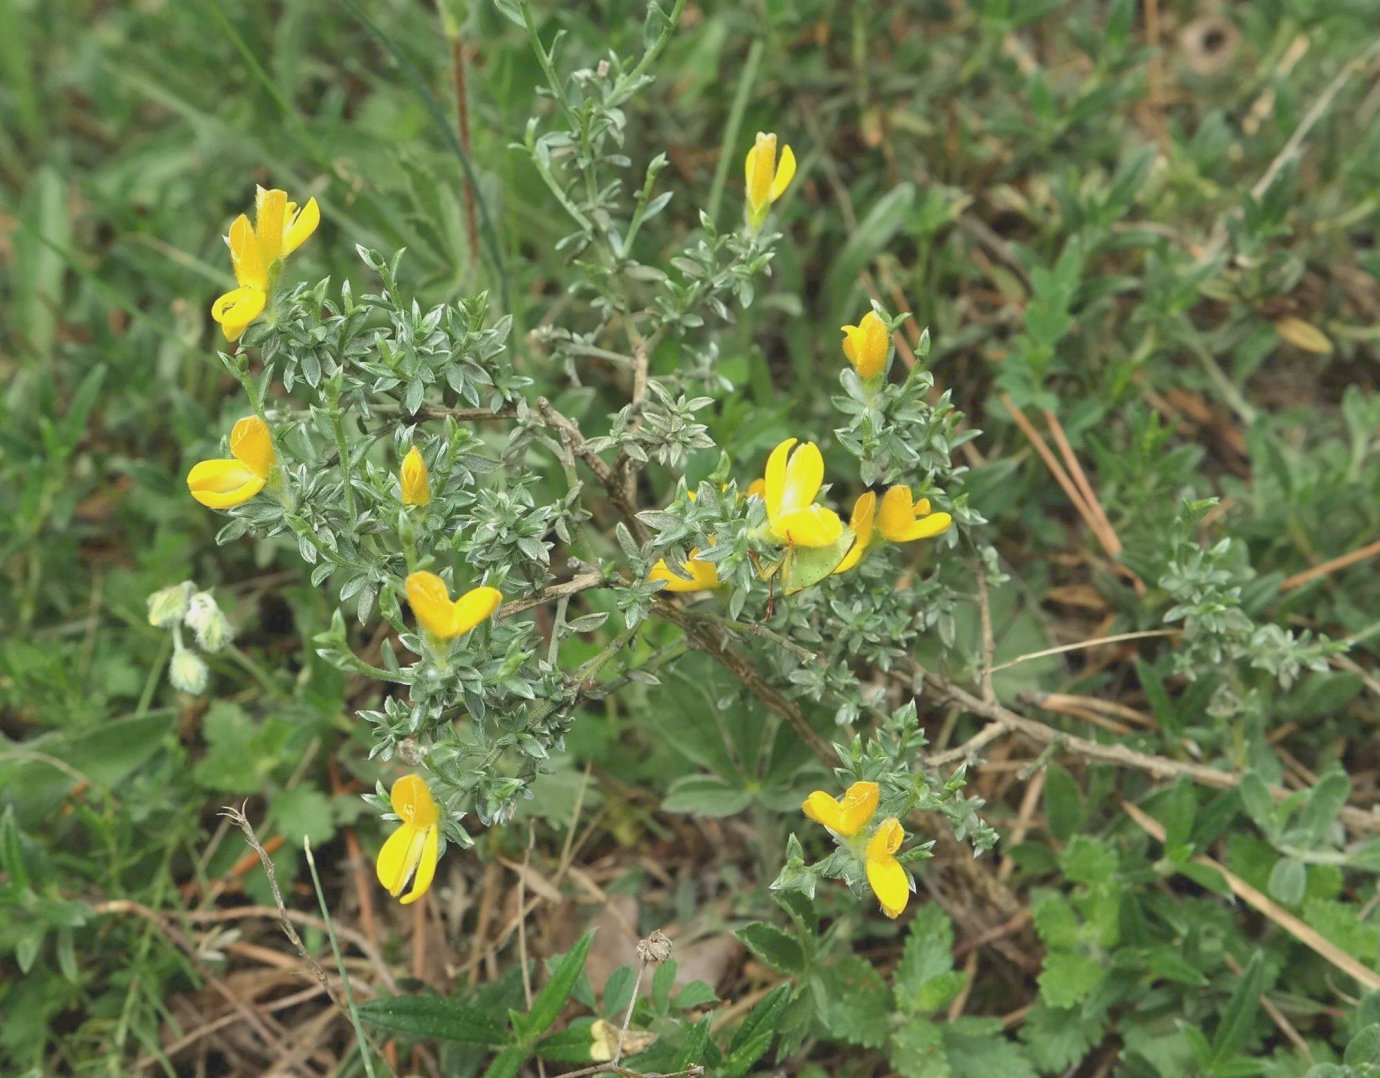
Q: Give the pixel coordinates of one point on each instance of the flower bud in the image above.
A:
(416, 488)
(188, 672)
(168, 606)
(204, 618)
(866, 345)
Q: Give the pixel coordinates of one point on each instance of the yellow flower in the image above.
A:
(866, 345)
(766, 180)
(257, 252)
(222, 484)
(850, 816)
(864, 514)
(703, 575)
(411, 852)
(438, 615)
(904, 521)
(888, 879)
(790, 487)
(416, 488)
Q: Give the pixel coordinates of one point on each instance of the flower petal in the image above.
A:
(859, 806)
(703, 575)
(426, 865)
(392, 864)
(774, 480)
(223, 484)
(474, 606)
(236, 309)
(785, 171)
(813, 526)
(300, 226)
(416, 488)
(804, 477)
(897, 513)
(250, 271)
(270, 214)
(861, 523)
(890, 883)
(252, 445)
(430, 602)
(412, 801)
(761, 167)
(925, 528)
(886, 840)
(825, 810)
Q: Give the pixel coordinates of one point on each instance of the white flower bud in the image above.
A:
(210, 625)
(188, 672)
(168, 606)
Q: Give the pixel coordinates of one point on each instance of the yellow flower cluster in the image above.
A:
(256, 254)
(846, 819)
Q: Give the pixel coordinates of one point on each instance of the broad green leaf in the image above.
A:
(547, 1005)
(433, 1016)
(777, 949)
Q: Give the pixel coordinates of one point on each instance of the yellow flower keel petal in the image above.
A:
(223, 484)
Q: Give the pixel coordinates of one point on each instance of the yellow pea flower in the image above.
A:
(438, 615)
(866, 345)
(766, 180)
(257, 252)
(416, 487)
(703, 575)
(903, 521)
(889, 881)
(222, 484)
(411, 852)
(848, 817)
(789, 489)
(861, 522)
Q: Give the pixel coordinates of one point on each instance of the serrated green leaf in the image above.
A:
(1240, 1012)
(752, 1039)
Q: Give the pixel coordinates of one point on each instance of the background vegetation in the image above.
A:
(1143, 238)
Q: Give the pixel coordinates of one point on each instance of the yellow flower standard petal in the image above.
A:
(791, 483)
(223, 484)
(416, 487)
(861, 523)
(438, 615)
(848, 817)
(866, 345)
(888, 879)
(703, 575)
(250, 269)
(251, 443)
(766, 180)
(236, 309)
(902, 520)
(270, 217)
(412, 850)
